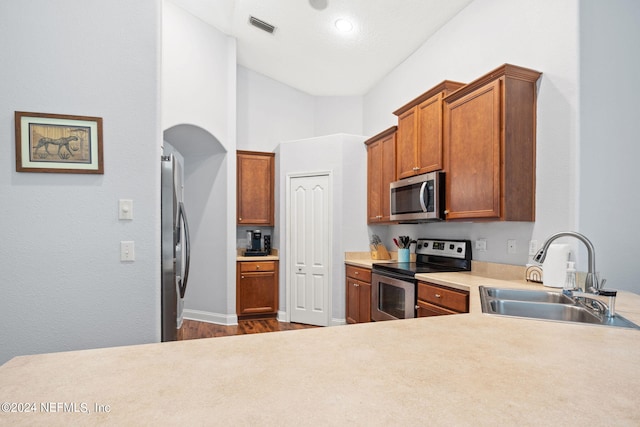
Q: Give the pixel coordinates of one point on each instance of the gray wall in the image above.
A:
(346, 157)
(199, 117)
(63, 285)
(609, 129)
(542, 35)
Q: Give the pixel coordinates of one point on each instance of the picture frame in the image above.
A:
(58, 143)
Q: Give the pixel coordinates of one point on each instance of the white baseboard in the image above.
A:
(282, 316)
(205, 316)
(338, 322)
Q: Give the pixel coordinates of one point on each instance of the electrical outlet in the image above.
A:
(533, 247)
(511, 246)
(481, 245)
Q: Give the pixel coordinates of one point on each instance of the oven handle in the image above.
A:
(423, 203)
(395, 276)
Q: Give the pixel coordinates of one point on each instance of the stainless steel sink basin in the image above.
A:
(526, 295)
(543, 310)
(544, 305)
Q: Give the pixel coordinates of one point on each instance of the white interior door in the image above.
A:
(309, 228)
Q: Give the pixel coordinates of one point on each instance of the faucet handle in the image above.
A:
(608, 292)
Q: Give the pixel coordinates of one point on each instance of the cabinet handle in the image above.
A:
(257, 267)
(242, 277)
(438, 296)
(416, 169)
(356, 285)
(239, 219)
(446, 211)
(356, 273)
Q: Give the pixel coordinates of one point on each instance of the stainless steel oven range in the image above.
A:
(393, 285)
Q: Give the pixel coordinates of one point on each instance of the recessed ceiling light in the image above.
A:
(318, 4)
(344, 25)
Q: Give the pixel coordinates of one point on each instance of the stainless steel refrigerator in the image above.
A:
(175, 247)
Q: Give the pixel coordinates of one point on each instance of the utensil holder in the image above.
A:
(403, 255)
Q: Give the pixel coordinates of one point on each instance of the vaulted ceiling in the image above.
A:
(308, 52)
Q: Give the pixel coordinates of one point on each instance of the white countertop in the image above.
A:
(469, 369)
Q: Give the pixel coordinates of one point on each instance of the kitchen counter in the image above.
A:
(273, 256)
(468, 369)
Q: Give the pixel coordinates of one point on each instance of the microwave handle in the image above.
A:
(423, 203)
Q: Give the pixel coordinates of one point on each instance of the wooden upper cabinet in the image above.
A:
(255, 181)
(381, 171)
(490, 148)
(420, 132)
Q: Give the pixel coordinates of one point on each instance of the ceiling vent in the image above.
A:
(264, 26)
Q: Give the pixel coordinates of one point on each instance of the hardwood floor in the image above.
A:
(192, 329)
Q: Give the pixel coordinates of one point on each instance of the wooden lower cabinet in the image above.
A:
(436, 300)
(256, 289)
(358, 306)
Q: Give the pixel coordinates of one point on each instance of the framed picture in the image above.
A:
(58, 143)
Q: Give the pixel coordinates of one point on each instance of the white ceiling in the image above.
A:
(308, 53)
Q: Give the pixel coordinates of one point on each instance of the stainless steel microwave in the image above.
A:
(418, 199)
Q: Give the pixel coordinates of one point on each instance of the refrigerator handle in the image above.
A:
(182, 284)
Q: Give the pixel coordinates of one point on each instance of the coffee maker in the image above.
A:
(254, 244)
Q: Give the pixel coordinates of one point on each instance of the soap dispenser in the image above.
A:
(570, 280)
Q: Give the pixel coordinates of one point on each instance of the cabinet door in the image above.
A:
(473, 138)
(374, 182)
(255, 200)
(353, 300)
(429, 149)
(364, 304)
(257, 293)
(388, 167)
(406, 144)
(381, 171)
(358, 301)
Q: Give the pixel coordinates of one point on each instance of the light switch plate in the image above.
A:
(125, 209)
(127, 251)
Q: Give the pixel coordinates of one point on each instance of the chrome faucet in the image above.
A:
(594, 296)
(591, 283)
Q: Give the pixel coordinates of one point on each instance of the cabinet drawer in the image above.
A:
(252, 266)
(427, 310)
(359, 273)
(452, 299)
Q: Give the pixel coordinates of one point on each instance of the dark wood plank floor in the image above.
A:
(192, 329)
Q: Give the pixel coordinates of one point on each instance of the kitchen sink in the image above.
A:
(526, 295)
(544, 305)
(543, 310)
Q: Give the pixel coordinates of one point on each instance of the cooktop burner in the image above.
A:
(432, 256)
(414, 267)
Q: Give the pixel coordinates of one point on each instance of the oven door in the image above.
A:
(392, 298)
